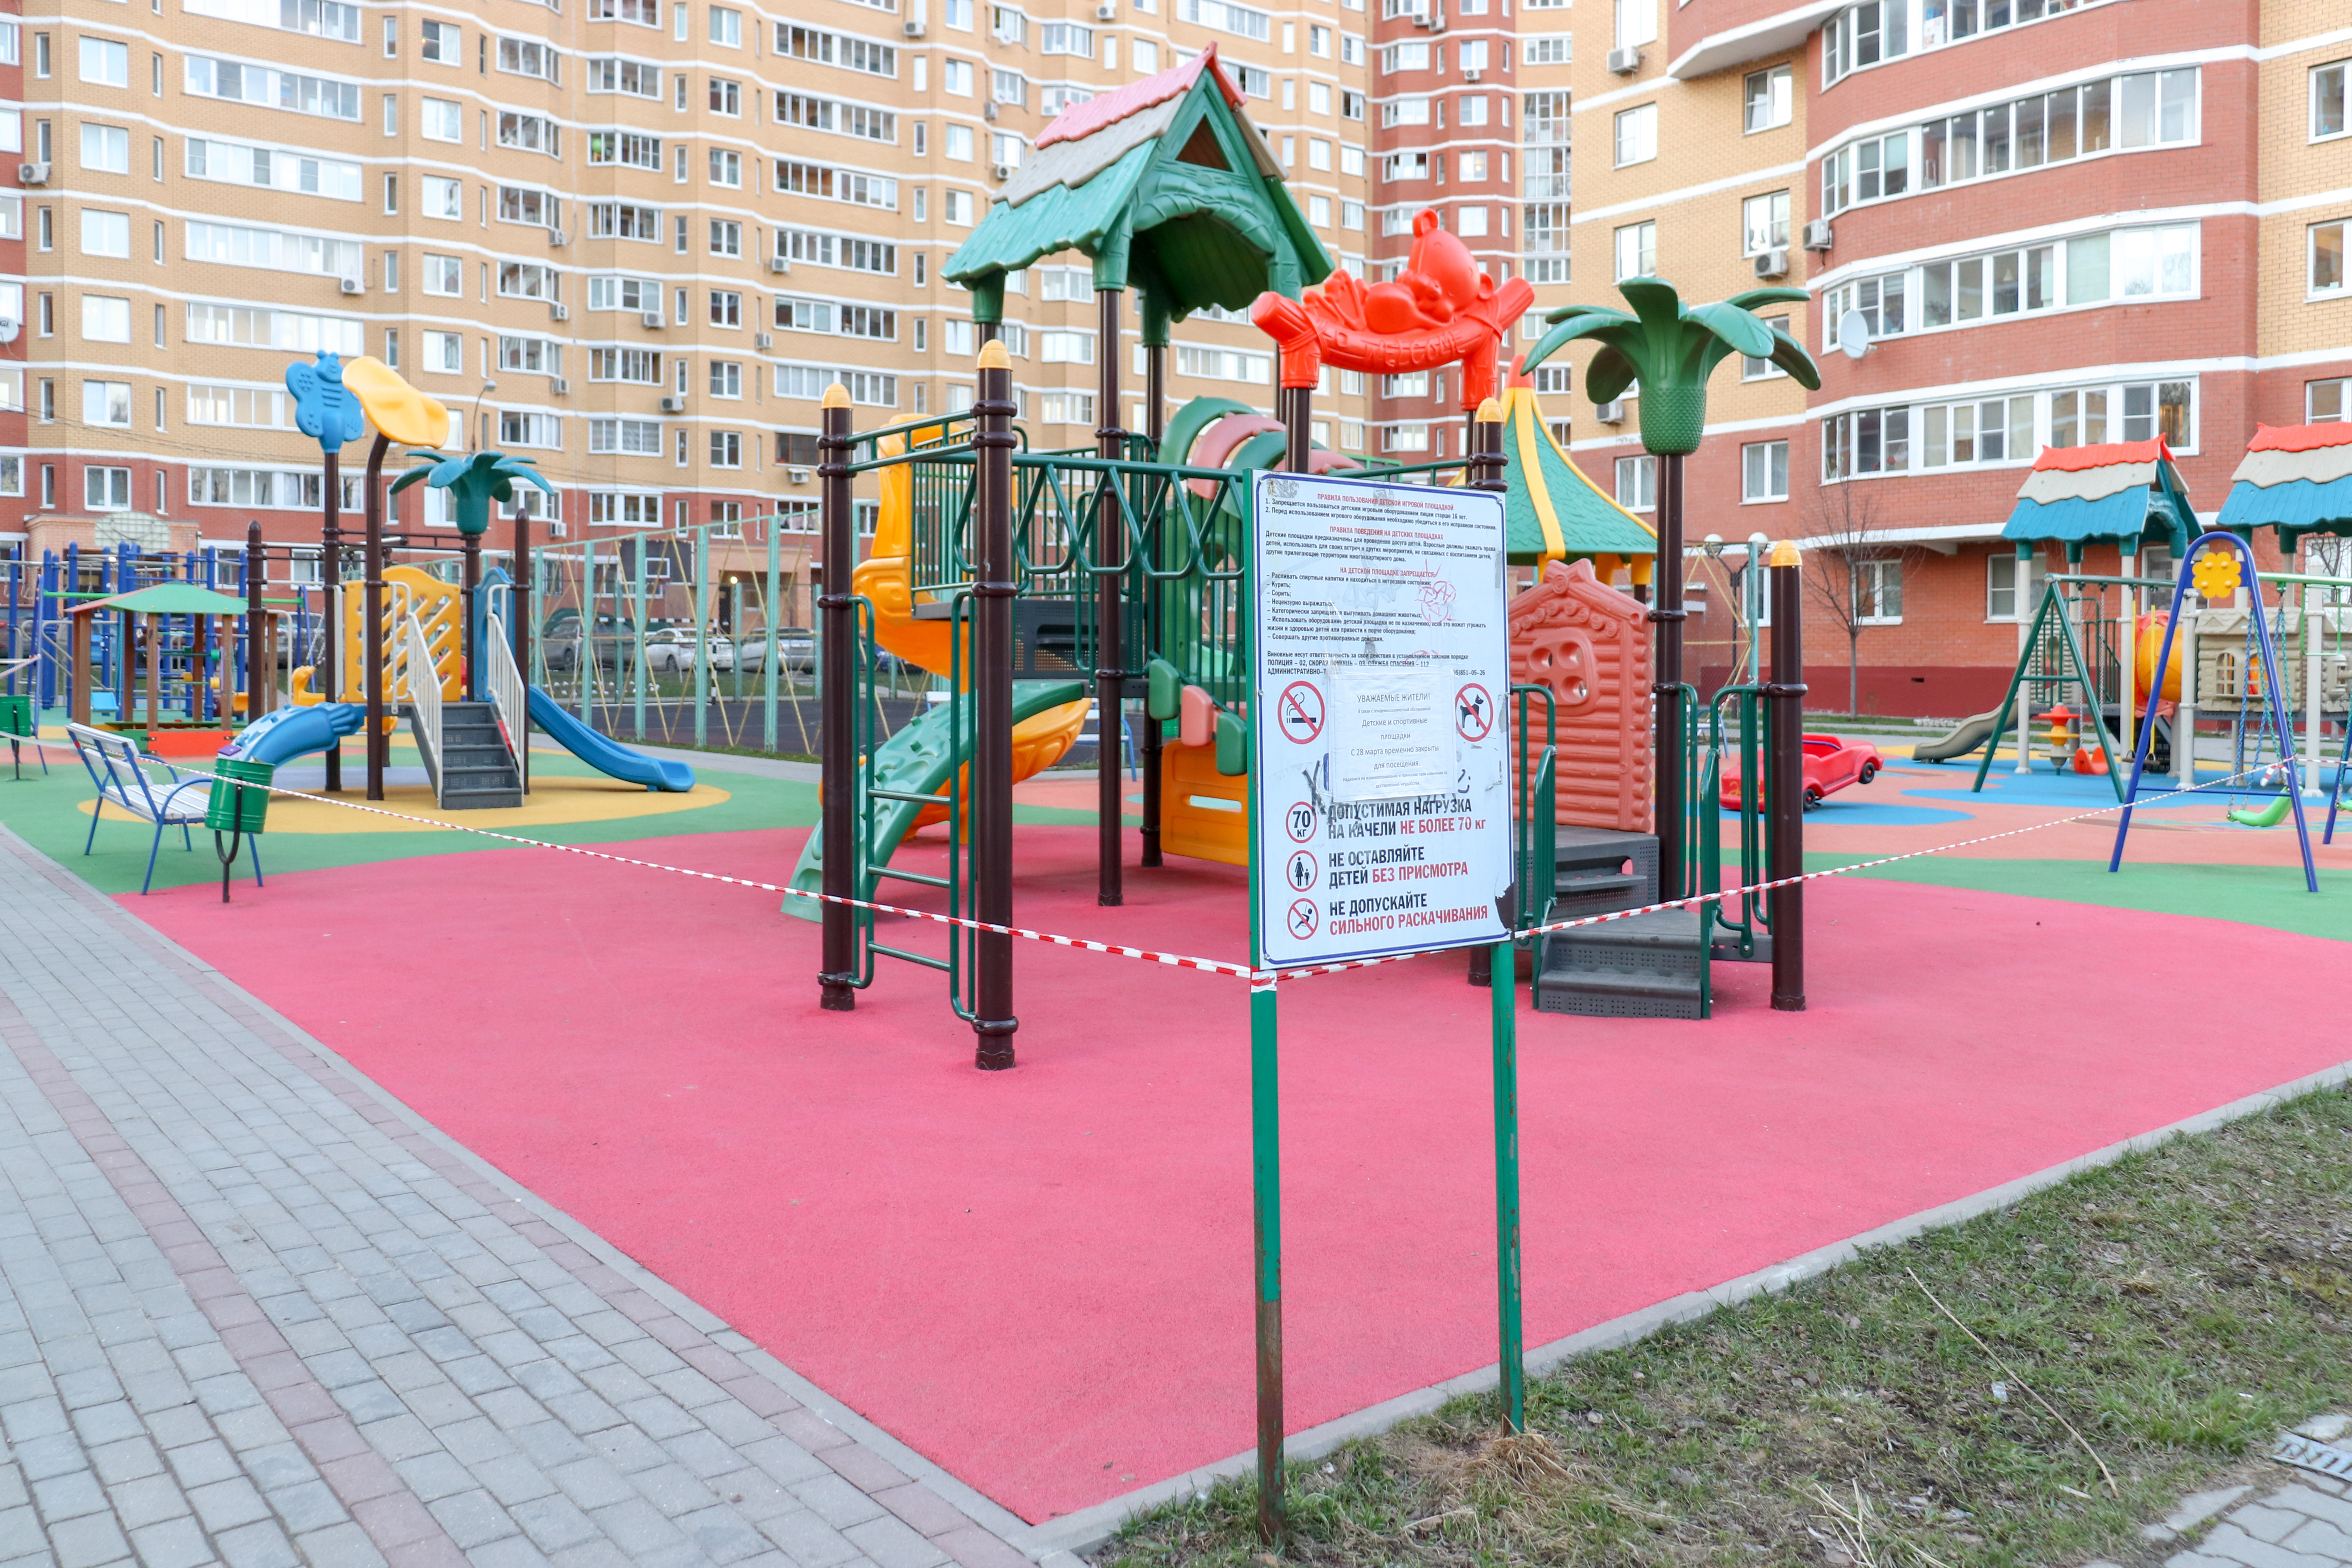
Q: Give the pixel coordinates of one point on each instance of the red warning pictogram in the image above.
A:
(1302, 918)
(1298, 711)
(1474, 712)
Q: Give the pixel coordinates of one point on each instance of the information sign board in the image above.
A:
(1382, 753)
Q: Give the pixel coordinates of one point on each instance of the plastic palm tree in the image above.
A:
(1670, 349)
(474, 480)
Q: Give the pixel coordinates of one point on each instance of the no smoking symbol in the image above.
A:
(1299, 711)
(1302, 918)
(1474, 712)
(1301, 871)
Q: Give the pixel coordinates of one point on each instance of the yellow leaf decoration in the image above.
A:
(394, 407)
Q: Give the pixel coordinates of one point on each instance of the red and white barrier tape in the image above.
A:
(1175, 961)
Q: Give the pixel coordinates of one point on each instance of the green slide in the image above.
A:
(917, 760)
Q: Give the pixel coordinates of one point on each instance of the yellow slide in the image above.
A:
(887, 576)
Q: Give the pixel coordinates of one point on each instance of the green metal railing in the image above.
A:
(1704, 753)
(1535, 822)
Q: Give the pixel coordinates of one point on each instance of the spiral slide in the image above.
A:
(1048, 715)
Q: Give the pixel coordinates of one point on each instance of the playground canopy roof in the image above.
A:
(1554, 512)
(2121, 490)
(2297, 478)
(167, 599)
(1167, 186)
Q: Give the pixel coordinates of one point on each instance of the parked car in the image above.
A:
(1830, 764)
(796, 652)
(672, 649)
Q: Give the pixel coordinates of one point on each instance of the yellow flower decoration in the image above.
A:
(394, 407)
(2216, 574)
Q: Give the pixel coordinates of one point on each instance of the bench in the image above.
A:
(120, 769)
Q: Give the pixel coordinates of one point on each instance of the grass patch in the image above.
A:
(2178, 1308)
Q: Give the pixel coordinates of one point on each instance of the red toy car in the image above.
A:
(1830, 764)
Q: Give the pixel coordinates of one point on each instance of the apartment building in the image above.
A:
(631, 239)
(2022, 222)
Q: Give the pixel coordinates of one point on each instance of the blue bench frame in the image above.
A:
(119, 769)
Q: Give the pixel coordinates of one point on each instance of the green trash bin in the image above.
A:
(231, 809)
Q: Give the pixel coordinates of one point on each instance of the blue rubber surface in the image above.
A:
(285, 733)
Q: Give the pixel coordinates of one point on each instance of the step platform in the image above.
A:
(1651, 965)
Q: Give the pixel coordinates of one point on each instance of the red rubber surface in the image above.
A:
(1041, 1279)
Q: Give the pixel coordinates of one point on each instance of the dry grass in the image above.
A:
(2158, 1322)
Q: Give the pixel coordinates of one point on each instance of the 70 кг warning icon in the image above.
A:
(1298, 711)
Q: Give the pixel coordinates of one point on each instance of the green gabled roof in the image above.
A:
(168, 599)
(1554, 512)
(1166, 187)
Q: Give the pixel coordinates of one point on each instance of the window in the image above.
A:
(528, 204)
(104, 233)
(621, 220)
(1867, 441)
(1069, 38)
(1769, 99)
(1764, 222)
(1008, 87)
(1753, 369)
(105, 320)
(2328, 258)
(104, 63)
(229, 163)
(1637, 483)
(1764, 471)
(1412, 56)
(1875, 31)
(106, 402)
(1866, 171)
(533, 356)
(1637, 22)
(444, 276)
(957, 143)
(105, 149)
(1877, 591)
(1637, 250)
(2328, 101)
(836, 185)
(1550, 50)
(441, 44)
(1473, 169)
(2326, 402)
(530, 132)
(636, 438)
(1220, 364)
(543, 430)
(1067, 408)
(527, 57)
(726, 168)
(841, 119)
(725, 27)
(1223, 14)
(1995, 430)
(726, 308)
(726, 379)
(1066, 347)
(642, 366)
(106, 489)
(1351, 105)
(634, 78)
(272, 89)
(444, 120)
(2001, 572)
(629, 149)
(726, 97)
(526, 280)
(727, 448)
(2150, 109)
(956, 76)
(1399, 167)
(1405, 437)
(1880, 302)
(442, 199)
(444, 352)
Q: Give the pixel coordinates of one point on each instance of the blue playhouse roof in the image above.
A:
(2297, 478)
(2120, 491)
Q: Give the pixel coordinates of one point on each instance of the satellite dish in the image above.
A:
(1854, 334)
(9, 328)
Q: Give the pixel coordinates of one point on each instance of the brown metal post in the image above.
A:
(522, 633)
(1485, 450)
(378, 744)
(154, 679)
(261, 654)
(837, 702)
(1294, 406)
(1110, 610)
(78, 642)
(1666, 614)
(991, 801)
(473, 588)
(330, 578)
(1155, 425)
(1785, 792)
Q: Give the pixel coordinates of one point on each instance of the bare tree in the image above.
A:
(1852, 569)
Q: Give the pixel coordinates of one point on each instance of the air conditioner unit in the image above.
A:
(652, 320)
(33, 173)
(560, 387)
(1472, 76)
(1816, 234)
(988, 109)
(779, 264)
(559, 311)
(1001, 171)
(1772, 264)
(352, 285)
(912, 29)
(763, 342)
(556, 237)
(797, 475)
(1611, 413)
(675, 404)
(1624, 62)
(1105, 11)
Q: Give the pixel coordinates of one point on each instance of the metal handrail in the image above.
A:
(510, 698)
(423, 695)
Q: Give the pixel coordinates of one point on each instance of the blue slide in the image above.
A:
(605, 756)
(284, 734)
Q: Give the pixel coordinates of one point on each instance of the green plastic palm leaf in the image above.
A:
(474, 480)
(1671, 349)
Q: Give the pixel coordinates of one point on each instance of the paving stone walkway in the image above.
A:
(253, 1313)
